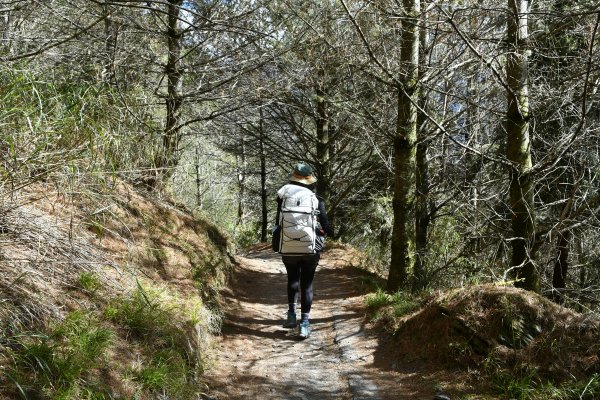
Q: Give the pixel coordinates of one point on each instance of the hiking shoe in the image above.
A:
(290, 322)
(304, 330)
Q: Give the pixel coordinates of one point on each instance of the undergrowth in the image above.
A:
(147, 317)
(58, 133)
(525, 382)
(165, 370)
(57, 364)
(71, 359)
(171, 360)
(388, 308)
(527, 385)
(89, 282)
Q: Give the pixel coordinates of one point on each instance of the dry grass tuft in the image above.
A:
(39, 257)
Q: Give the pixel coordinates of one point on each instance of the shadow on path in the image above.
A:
(343, 359)
(252, 286)
(264, 284)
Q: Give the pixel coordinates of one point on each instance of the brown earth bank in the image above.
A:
(106, 292)
(502, 327)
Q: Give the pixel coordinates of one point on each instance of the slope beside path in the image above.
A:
(342, 359)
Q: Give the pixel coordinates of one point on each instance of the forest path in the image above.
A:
(259, 359)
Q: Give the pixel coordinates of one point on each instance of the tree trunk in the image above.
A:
(241, 172)
(582, 260)
(197, 167)
(174, 99)
(263, 179)
(561, 265)
(402, 260)
(519, 150)
(332, 210)
(323, 167)
(422, 215)
(110, 44)
(472, 132)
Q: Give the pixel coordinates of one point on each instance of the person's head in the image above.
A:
(303, 173)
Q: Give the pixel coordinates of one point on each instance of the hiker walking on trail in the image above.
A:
(300, 234)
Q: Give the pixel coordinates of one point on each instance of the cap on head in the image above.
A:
(303, 173)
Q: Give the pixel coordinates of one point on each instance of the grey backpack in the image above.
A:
(298, 220)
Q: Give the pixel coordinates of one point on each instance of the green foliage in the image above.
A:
(517, 384)
(145, 315)
(57, 364)
(86, 340)
(53, 121)
(89, 282)
(372, 235)
(378, 299)
(371, 283)
(169, 364)
(59, 114)
(246, 235)
(166, 371)
(208, 184)
(517, 330)
(390, 307)
(445, 243)
(526, 385)
(524, 382)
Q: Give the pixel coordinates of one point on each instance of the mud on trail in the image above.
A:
(342, 359)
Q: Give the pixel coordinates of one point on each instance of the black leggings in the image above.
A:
(300, 274)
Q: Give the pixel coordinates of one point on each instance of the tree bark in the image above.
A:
(519, 150)
(582, 261)
(110, 44)
(561, 265)
(323, 167)
(197, 168)
(402, 259)
(422, 214)
(422, 217)
(332, 209)
(241, 174)
(263, 178)
(174, 99)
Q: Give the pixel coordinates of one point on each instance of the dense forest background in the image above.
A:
(455, 142)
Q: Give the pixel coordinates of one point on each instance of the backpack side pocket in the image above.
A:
(276, 239)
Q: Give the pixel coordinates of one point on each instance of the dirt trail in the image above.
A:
(258, 358)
